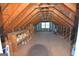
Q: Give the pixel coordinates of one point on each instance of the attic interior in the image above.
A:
(38, 29)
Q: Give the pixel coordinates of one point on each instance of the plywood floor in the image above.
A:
(45, 44)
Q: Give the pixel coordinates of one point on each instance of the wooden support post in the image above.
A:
(58, 29)
(61, 30)
(65, 31)
(12, 39)
(70, 34)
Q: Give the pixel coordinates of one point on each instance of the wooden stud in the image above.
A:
(12, 43)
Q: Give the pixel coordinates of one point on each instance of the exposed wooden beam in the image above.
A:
(25, 22)
(10, 9)
(60, 19)
(22, 20)
(3, 6)
(35, 19)
(64, 14)
(32, 19)
(54, 13)
(16, 20)
(68, 8)
(53, 16)
(16, 13)
(57, 20)
(32, 7)
(28, 20)
(25, 18)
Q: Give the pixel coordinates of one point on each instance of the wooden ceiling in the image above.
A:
(18, 15)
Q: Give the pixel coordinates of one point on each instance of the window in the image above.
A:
(45, 25)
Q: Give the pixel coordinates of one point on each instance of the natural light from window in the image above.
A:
(45, 25)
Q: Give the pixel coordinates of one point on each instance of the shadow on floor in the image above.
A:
(38, 50)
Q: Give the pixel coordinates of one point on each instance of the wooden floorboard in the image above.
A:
(55, 45)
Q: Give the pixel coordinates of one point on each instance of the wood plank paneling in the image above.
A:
(71, 6)
(61, 15)
(22, 19)
(8, 12)
(16, 14)
(21, 13)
